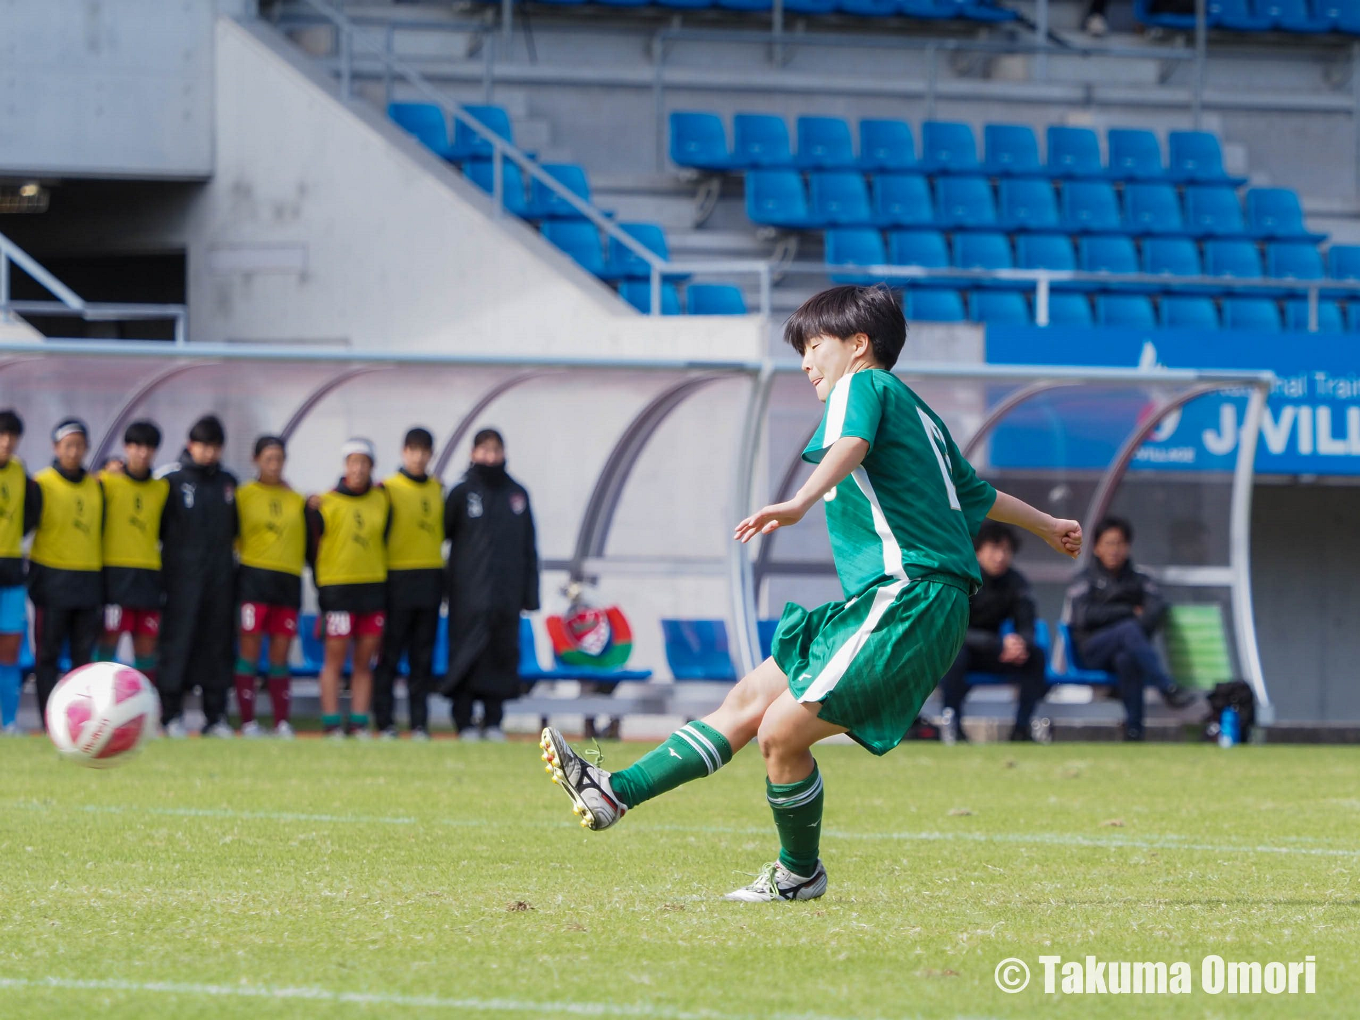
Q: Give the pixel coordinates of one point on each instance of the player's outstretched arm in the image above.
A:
(1063, 536)
(840, 459)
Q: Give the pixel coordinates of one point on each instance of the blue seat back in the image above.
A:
(1091, 207)
(1152, 209)
(580, 240)
(1067, 309)
(1011, 149)
(529, 665)
(1075, 673)
(854, 246)
(1135, 155)
(638, 293)
(886, 145)
(482, 172)
(766, 629)
(1329, 316)
(627, 264)
(1125, 310)
(698, 650)
(1296, 260)
(902, 200)
(1274, 212)
(310, 642)
(424, 120)
(699, 140)
(1003, 307)
(1211, 209)
(1195, 156)
(949, 146)
(714, 299)
(839, 197)
(494, 119)
(776, 197)
(1108, 254)
(547, 204)
(1343, 262)
(965, 202)
(1254, 313)
(760, 140)
(1045, 251)
(1232, 258)
(1189, 311)
(824, 143)
(1171, 256)
(1028, 204)
(933, 304)
(1074, 152)
(918, 248)
(983, 251)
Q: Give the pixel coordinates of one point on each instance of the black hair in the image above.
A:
(995, 532)
(418, 439)
(1113, 523)
(10, 423)
(265, 442)
(487, 436)
(143, 433)
(208, 429)
(844, 311)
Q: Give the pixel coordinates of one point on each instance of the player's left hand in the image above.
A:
(1064, 537)
(771, 518)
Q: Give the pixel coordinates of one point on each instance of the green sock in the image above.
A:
(103, 653)
(798, 817)
(330, 721)
(358, 720)
(279, 672)
(691, 752)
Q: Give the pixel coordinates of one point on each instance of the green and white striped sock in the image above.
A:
(693, 751)
(798, 817)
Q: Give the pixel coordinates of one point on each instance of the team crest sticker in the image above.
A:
(518, 504)
(474, 505)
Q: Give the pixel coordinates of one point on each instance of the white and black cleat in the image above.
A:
(776, 882)
(592, 798)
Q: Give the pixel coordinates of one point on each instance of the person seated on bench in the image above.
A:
(1004, 595)
(1116, 611)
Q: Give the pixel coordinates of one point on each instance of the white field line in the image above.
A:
(1164, 842)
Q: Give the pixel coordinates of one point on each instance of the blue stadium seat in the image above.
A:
(1067, 309)
(1075, 673)
(1028, 204)
(746, 5)
(840, 198)
(1152, 209)
(983, 10)
(933, 10)
(1294, 260)
(1196, 158)
(824, 144)
(886, 145)
(1233, 258)
(809, 6)
(699, 140)
(1329, 316)
(999, 307)
(1344, 14)
(766, 630)
(1090, 207)
(684, 5)
(1171, 256)
(776, 198)
(624, 264)
(1109, 254)
(1125, 310)
(1261, 315)
(931, 304)
(965, 203)
(855, 246)
(698, 650)
(1011, 151)
(1189, 312)
(494, 119)
(624, 3)
(986, 251)
(426, 121)
(714, 299)
(902, 200)
(1275, 214)
(918, 248)
(1074, 153)
(1045, 251)
(638, 293)
(1343, 262)
(1238, 16)
(481, 172)
(761, 140)
(948, 147)
(1300, 16)
(545, 204)
(868, 8)
(310, 644)
(1213, 211)
(580, 240)
(1135, 155)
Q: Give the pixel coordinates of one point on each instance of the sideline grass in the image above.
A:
(263, 880)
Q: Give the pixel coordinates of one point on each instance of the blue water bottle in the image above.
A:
(1229, 728)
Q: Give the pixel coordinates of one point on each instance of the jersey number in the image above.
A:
(936, 440)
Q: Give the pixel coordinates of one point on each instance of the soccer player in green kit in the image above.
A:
(902, 507)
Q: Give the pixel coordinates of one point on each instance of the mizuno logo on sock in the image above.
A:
(674, 754)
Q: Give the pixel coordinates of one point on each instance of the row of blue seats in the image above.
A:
(761, 141)
(779, 198)
(1163, 256)
(1307, 17)
(932, 10)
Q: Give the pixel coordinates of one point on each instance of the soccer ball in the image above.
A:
(99, 714)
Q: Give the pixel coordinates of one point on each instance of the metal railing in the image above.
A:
(68, 302)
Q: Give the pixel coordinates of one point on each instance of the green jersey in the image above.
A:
(912, 507)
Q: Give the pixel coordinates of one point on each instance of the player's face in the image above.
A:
(1112, 550)
(9, 442)
(204, 454)
(489, 454)
(827, 358)
(71, 451)
(138, 457)
(358, 471)
(416, 459)
(270, 465)
(995, 558)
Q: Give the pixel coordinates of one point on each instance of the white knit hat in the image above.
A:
(359, 445)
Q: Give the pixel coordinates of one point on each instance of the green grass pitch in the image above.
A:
(262, 880)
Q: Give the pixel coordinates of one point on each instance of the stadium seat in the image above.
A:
(1171, 256)
(1067, 309)
(1213, 211)
(427, 122)
(868, 8)
(698, 650)
(481, 172)
(1301, 16)
(311, 645)
(1028, 204)
(930, 304)
(999, 307)
(1075, 673)
(1135, 155)
(1090, 207)
(683, 5)
(1261, 315)
(855, 246)
(1329, 316)
(948, 147)
(986, 251)
(494, 119)
(638, 293)
(746, 5)
(840, 198)
(902, 200)
(1275, 214)
(1074, 153)
(699, 140)
(918, 248)
(965, 203)
(1238, 16)
(1344, 15)
(1196, 158)
(1293, 260)
(714, 299)
(809, 6)
(886, 145)
(1233, 258)
(1011, 151)
(580, 240)
(981, 10)
(1189, 312)
(1125, 310)
(761, 140)
(624, 264)
(1046, 251)
(1109, 254)
(776, 198)
(545, 204)
(824, 144)
(766, 631)
(1152, 209)
(1343, 262)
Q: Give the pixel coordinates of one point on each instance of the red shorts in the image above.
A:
(262, 618)
(347, 625)
(137, 622)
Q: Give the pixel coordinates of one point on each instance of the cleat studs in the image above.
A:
(555, 783)
(548, 769)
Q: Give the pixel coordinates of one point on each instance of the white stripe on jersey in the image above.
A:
(835, 668)
(892, 551)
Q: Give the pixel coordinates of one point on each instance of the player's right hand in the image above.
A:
(1065, 537)
(771, 518)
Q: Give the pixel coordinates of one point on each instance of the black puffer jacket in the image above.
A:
(1100, 598)
(198, 527)
(1001, 598)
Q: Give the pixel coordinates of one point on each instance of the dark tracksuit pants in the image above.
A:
(1030, 676)
(53, 628)
(196, 641)
(413, 631)
(1126, 650)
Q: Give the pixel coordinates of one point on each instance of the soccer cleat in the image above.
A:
(494, 735)
(361, 733)
(388, 734)
(776, 882)
(283, 731)
(470, 735)
(219, 731)
(251, 730)
(592, 798)
(420, 735)
(336, 734)
(175, 730)
(11, 730)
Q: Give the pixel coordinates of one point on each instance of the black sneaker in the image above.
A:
(1176, 696)
(1133, 734)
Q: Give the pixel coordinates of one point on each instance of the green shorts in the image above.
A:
(874, 660)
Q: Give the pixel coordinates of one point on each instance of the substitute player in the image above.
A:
(133, 594)
(20, 507)
(347, 529)
(273, 546)
(902, 507)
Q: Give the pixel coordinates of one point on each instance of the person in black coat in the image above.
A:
(198, 567)
(492, 578)
(1116, 612)
(1004, 596)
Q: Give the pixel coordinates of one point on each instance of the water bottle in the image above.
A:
(947, 727)
(1229, 728)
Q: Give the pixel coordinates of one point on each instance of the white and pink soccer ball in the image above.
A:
(99, 714)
